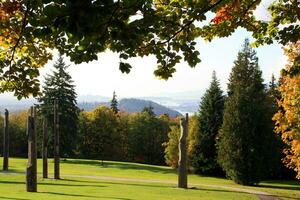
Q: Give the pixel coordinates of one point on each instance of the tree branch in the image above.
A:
(24, 23)
(204, 10)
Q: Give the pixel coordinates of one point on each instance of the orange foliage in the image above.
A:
(9, 10)
(222, 15)
(287, 119)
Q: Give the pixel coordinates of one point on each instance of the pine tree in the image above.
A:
(59, 86)
(114, 103)
(210, 117)
(243, 145)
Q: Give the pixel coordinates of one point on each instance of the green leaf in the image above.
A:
(125, 67)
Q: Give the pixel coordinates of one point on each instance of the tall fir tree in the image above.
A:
(244, 150)
(59, 86)
(210, 117)
(114, 103)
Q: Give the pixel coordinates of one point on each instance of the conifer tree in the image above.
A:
(244, 140)
(210, 117)
(59, 86)
(114, 103)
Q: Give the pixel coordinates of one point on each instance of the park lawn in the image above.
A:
(76, 167)
(13, 187)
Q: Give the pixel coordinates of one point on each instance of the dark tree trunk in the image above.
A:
(182, 162)
(31, 171)
(56, 141)
(5, 141)
(45, 148)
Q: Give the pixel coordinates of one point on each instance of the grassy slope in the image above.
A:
(82, 188)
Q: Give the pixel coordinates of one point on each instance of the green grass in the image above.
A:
(12, 186)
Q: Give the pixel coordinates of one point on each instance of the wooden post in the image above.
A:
(56, 141)
(45, 148)
(31, 171)
(5, 141)
(182, 162)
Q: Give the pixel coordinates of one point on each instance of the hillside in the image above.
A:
(133, 105)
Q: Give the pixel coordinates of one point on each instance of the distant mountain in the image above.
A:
(132, 105)
(183, 102)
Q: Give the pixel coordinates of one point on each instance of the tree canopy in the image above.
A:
(167, 29)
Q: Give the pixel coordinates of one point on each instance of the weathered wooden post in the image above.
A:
(182, 162)
(56, 140)
(45, 148)
(31, 171)
(5, 141)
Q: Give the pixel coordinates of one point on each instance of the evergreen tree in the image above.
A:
(149, 109)
(244, 148)
(114, 103)
(210, 118)
(59, 86)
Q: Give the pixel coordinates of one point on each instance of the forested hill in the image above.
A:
(132, 105)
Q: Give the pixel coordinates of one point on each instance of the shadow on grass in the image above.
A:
(122, 165)
(12, 198)
(54, 184)
(284, 187)
(11, 171)
(241, 192)
(284, 182)
(159, 185)
(85, 196)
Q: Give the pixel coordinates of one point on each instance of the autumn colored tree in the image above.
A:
(17, 128)
(98, 131)
(288, 117)
(82, 29)
(171, 146)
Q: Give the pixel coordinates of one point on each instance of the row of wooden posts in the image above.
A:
(31, 170)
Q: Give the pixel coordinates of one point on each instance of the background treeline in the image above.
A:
(102, 134)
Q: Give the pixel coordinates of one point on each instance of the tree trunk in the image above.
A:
(31, 171)
(56, 141)
(45, 148)
(5, 141)
(182, 162)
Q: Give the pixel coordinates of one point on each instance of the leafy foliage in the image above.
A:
(21, 53)
(283, 25)
(171, 147)
(146, 135)
(17, 134)
(288, 117)
(59, 86)
(82, 29)
(99, 134)
(244, 141)
(210, 118)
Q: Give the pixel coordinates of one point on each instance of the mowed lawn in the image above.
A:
(89, 179)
